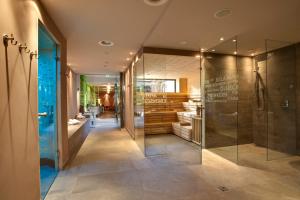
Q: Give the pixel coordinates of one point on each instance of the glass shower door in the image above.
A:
(281, 99)
(47, 108)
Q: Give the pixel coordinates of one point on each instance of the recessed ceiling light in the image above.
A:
(252, 54)
(106, 43)
(213, 50)
(197, 56)
(235, 53)
(128, 59)
(234, 40)
(131, 53)
(202, 49)
(155, 2)
(222, 13)
(221, 38)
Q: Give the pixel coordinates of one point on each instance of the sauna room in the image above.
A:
(167, 104)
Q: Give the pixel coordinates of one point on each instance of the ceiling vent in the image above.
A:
(106, 43)
(222, 13)
(155, 2)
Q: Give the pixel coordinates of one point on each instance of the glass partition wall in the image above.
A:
(221, 99)
(281, 99)
(167, 106)
(251, 100)
(138, 99)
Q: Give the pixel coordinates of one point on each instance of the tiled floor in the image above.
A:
(110, 166)
(175, 148)
(48, 175)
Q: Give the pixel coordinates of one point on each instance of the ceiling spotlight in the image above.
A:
(234, 40)
(155, 2)
(106, 43)
(221, 39)
(197, 56)
(131, 53)
(213, 50)
(235, 53)
(252, 54)
(128, 59)
(222, 13)
(202, 49)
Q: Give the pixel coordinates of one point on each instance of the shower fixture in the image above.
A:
(259, 89)
(285, 104)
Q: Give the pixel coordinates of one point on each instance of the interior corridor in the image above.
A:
(110, 160)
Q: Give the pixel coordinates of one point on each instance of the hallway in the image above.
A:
(110, 166)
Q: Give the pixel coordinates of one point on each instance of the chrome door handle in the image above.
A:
(43, 114)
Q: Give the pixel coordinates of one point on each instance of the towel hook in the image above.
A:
(10, 38)
(33, 54)
(23, 47)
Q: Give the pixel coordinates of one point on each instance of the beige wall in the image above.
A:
(19, 148)
(73, 86)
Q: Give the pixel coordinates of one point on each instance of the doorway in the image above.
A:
(100, 99)
(47, 109)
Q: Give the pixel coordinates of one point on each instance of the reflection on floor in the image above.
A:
(107, 114)
(110, 166)
(256, 156)
(107, 120)
(48, 175)
(174, 147)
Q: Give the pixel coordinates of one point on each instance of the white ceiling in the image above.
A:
(131, 24)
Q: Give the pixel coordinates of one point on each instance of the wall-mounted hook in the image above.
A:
(10, 38)
(35, 54)
(23, 47)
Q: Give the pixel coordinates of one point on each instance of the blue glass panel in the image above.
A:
(47, 96)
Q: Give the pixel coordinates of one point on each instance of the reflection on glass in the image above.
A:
(172, 108)
(160, 85)
(138, 96)
(221, 99)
